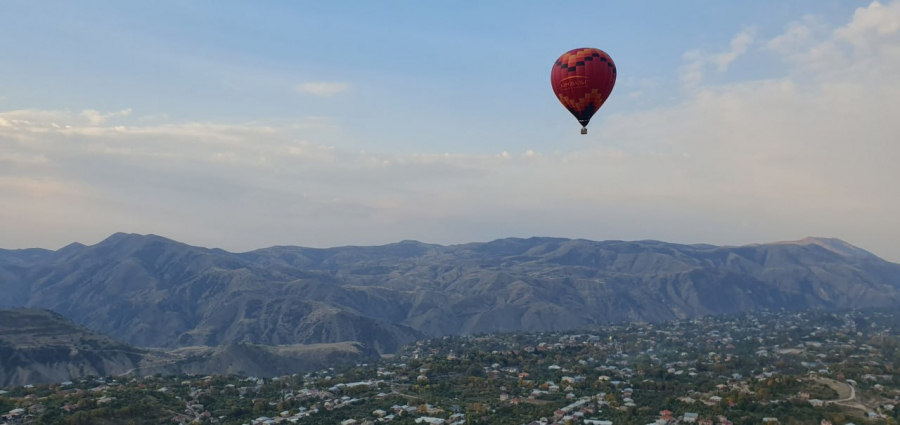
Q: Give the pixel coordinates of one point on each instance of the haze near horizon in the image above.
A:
(244, 126)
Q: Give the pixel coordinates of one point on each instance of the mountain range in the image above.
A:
(149, 291)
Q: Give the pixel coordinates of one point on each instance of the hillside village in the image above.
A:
(813, 367)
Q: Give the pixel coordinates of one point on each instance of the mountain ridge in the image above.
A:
(148, 290)
(119, 236)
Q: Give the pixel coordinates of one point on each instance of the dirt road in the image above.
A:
(846, 394)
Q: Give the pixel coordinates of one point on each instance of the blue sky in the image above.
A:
(728, 123)
(417, 72)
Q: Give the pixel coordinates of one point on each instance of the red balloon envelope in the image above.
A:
(582, 80)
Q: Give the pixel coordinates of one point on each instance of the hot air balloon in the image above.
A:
(582, 80)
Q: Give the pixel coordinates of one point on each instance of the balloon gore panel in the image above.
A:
(582, 80)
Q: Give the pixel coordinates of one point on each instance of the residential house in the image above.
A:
(665, 415)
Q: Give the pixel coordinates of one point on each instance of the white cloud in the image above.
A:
(692, 70)
(94, 117)
(696, 61)
(322, 89)
(871, 39)
(798, 36)
(871, 25)
(739, 45)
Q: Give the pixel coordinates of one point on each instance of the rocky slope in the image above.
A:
(152, 291)
(39, 346)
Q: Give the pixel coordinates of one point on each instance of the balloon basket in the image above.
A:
(583, 130)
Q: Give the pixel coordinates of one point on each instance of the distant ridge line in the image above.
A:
(809, 240)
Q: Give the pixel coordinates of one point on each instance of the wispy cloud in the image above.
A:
(696, 61)
(798, 36)
(739, 45)
(322, 89)
(96, 118)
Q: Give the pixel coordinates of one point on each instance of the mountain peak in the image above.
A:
(133, 238)
(834, 245)
(121, 245)
(72, 247)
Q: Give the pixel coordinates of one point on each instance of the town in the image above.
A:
(813, 367)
